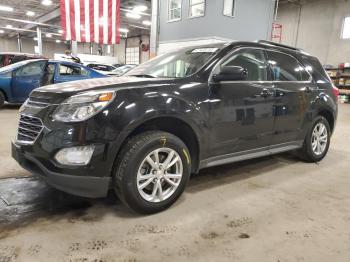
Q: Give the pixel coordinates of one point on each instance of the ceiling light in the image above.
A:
(140, 8)
(146, 22)
(48, 35)
(30, 13)
(46, 2)
(2, 31)
(133, 15)
(60, 31)
(6, 8)
(9, 26)
(123, 30)
(35, 39)
(58, 41)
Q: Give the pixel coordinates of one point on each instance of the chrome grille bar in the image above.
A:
(29, 129)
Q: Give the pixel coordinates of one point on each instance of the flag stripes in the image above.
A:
(91, 21)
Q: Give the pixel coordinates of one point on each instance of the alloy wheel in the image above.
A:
(319, 139)
(159, 175)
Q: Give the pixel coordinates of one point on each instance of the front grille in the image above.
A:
(29, 129)
(35, 102)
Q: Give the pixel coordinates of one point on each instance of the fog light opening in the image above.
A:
(75, 156)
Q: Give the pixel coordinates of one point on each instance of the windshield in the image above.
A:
(176, 64)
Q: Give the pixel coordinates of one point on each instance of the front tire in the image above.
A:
(317, 141)
(152, 171)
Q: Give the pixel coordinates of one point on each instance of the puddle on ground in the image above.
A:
(25, 199)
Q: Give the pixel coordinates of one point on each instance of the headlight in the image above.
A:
(82, 106)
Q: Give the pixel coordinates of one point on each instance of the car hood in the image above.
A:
(103, 83)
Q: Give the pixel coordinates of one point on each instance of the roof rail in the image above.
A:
(279, 45)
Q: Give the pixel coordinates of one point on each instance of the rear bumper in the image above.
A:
(85, 186)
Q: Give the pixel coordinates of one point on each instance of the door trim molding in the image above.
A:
(250, 154)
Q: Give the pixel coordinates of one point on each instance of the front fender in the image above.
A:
(131, 113)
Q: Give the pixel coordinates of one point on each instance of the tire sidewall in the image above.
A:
(129, 183)
(317, 158)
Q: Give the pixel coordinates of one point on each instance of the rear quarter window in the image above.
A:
(286, 68)
(316, 69)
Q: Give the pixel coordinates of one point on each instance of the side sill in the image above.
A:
(250, 154)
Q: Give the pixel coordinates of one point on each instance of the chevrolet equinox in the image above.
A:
(143, 134)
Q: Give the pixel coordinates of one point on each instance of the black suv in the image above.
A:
(143, 134)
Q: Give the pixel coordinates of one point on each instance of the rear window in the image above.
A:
(286, 68)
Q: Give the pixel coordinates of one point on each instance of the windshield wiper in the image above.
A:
(144, 75)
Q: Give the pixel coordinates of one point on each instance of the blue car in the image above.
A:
(18, 80)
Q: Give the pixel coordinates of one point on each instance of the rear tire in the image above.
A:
(317, 141)
(2, 99)
(152, 171)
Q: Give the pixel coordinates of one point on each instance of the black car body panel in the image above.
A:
(221, 122)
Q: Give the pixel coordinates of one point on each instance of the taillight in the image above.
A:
(335, 92)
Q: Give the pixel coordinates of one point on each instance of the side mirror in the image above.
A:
(231, 73)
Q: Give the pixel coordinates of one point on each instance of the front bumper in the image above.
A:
(85, 186)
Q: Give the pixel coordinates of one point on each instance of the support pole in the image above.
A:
(40, 43)
(154, 29)
(19, 42)
(74, 47)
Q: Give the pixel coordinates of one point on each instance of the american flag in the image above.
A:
(91, 21)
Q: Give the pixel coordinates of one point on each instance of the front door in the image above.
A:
(242, 111)
(294, 92)
(27, 78)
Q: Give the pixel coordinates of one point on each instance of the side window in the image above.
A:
(31, 69)
(229, 7)
(253, 60)
(174, 10)
(286, 68)
(69, 70)
(197, 8)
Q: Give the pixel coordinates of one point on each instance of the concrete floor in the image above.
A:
(271, 209)
(8, 128)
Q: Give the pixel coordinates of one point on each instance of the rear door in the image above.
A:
(27, 78)
(295, 91)
(241, 116)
